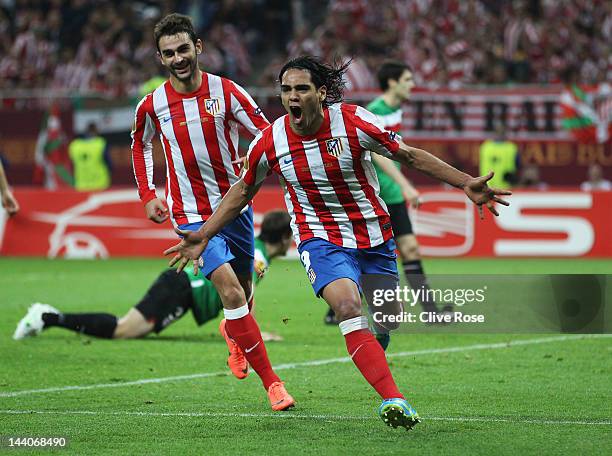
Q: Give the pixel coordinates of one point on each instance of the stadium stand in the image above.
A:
(104, 47)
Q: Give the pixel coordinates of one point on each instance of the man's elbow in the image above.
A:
(246, 191)
(407, 156)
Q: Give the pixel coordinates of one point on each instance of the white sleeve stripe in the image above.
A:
(147, 146)
(241, 116)
(148, 149)
(364, 139)
(369, 118)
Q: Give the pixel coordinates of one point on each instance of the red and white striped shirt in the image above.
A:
(199, 135)
(331, 188)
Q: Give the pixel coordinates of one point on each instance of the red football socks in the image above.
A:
(246, 333)
(370, 359)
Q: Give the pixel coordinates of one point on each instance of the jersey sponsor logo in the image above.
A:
(198, 120)
(165, 119)
(212, 106)
(334, 146)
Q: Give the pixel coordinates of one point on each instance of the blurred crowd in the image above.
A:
(453, 43)
(107, 47)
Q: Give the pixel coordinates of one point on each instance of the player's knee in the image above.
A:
(409, 249)
(347, 308)
(129, 328)
(232, 296)
(123, 331)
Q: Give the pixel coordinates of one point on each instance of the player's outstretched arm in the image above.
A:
(475, 188)
(194, 242)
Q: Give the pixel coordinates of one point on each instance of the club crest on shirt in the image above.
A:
(212, 106)
(334, 146)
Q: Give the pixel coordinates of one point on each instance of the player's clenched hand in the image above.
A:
(156, 210)
(190, 248)
(10, 203)
(481, 194)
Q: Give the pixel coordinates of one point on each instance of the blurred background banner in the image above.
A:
(450, 124)
(67, 224)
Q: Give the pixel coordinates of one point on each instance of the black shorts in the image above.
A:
(167, 300)
(400, 221)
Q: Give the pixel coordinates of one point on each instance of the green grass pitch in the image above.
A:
(544, 395)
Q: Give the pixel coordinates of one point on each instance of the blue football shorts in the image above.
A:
(325, 262)
(235, 244)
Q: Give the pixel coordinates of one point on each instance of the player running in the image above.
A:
(396, 81)
(168, 299)
(321, 150)
(197, 116)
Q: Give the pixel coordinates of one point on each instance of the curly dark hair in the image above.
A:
(173, 24)
(322, 74)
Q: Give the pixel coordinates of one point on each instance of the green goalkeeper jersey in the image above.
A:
(391, 119)
(206, 301)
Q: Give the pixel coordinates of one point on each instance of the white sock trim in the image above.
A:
(235, 314)
(353, 324)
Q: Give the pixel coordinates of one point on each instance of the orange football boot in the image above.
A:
(280, 399)
(236, 360)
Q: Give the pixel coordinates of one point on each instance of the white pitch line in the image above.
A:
(291, 415)
(319, 362)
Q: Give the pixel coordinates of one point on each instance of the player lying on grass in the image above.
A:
(321, 150)
(168, 299)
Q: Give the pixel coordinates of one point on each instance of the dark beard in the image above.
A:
(192, 66)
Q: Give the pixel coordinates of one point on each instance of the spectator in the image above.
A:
(596, 180)
(500, 156)
(91, 162)
(530, 179)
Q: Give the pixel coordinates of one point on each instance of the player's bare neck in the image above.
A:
(187, 86)
(392, 100)
(273, 250)
(311, 127)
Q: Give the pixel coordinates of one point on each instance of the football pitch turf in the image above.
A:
(172, 393)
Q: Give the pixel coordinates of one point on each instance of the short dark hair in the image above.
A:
(275, 226)
(173, 24)
(390, 69)
(322, 74)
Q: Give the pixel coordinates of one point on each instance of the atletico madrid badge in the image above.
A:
(212, 106)
(334, 146)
